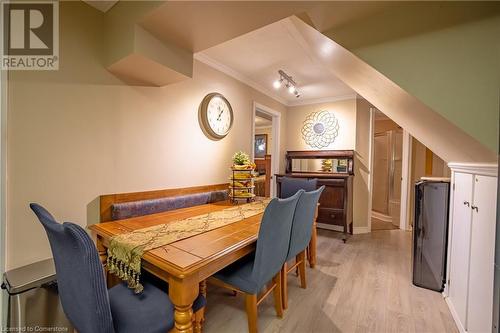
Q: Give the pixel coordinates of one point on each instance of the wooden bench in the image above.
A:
(109, 202)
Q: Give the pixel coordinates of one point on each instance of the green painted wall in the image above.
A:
(454, 69)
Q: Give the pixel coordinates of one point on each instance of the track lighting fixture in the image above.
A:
(289, 83)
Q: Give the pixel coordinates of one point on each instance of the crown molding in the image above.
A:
(322, 100)
(486, 169)
(201, 57)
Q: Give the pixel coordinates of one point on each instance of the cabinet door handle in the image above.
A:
(466, 203)
(475, 207)
(332, 216)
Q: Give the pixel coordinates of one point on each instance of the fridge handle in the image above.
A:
(418, 200)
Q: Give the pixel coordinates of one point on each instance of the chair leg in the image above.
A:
(313, 244)
(278, 305)
(301, 258)
(297, 261)
(199, 318)
(251, 308)
(284, 285)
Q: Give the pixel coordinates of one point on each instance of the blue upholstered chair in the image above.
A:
(251, 274)
(302, 228)
(290, 186)
(85, 299)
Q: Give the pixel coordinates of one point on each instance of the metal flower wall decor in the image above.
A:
(320, 129)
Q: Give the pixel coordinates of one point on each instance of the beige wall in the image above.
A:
(354, 128)
(439, 169)
(362, 170)
(77, 133)
(345, 112)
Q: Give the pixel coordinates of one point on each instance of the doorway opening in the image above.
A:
(398, 162)
(387, 173)
(265, 148)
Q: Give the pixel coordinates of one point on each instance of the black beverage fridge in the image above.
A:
(430, 233)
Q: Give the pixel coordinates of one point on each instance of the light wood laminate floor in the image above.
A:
(361, 286)
(381, 225)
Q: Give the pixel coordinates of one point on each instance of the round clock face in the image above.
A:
(216, 116)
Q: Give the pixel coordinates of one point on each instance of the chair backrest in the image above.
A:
(302, 221)
(80, 275)
(274, 238)
(290, 186)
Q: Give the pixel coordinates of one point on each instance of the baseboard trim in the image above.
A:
(454, 314)
(360, 230)
(330, 227)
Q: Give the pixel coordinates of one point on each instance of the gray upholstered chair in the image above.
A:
(290, 186)
(251, 274)
(85, 299)
(302, 226)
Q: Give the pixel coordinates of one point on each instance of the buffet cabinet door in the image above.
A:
(332, 202)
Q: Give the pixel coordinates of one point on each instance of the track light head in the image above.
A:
(289, 83)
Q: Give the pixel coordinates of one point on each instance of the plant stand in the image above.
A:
(241, 186)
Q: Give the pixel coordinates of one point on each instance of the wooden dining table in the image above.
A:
(187, 263)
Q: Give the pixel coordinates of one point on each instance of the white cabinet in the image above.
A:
(460, 226)
(471, 245)
(482, 255)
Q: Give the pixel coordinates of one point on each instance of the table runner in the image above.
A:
(126, 250)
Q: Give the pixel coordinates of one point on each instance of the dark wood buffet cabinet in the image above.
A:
(334, 169)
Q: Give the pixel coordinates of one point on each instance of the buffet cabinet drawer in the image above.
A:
(331, 216)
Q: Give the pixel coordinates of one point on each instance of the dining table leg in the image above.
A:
(103, 256)
(182, 293)
(101, 249)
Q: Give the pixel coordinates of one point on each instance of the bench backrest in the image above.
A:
(107, 201)
(127, 210)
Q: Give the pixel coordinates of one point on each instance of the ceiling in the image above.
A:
(198, 25)
(102, 5)
(262, 122)
(185, 23)
(257, 56)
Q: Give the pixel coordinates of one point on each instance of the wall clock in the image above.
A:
(215, 116)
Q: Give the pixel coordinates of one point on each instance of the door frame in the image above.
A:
(3, 187)
(406, 183)
(275, 149)
(370, 167)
